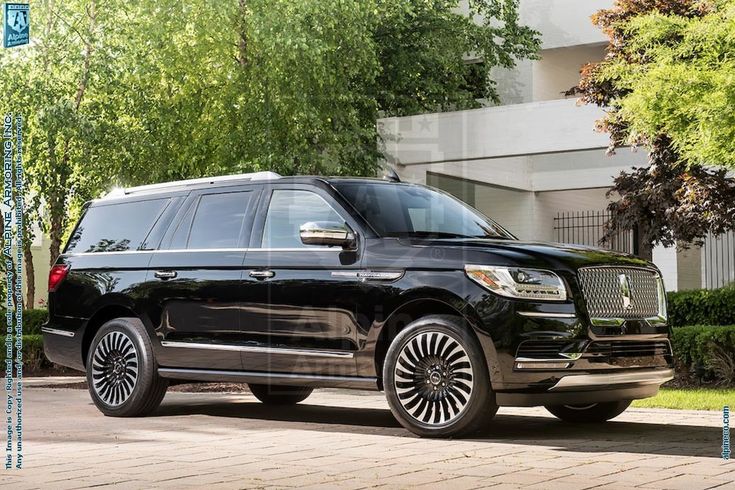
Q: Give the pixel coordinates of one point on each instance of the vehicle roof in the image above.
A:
(220, 181)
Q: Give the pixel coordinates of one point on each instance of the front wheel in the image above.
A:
(436, 380)
(589, 412)
(121, 371)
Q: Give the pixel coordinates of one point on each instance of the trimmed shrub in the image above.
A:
(711, 348)
(32, 321)
(33, 357)
(702, 307)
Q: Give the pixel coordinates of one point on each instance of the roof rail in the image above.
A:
(119, 192)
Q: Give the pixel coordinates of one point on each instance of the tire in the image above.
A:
(436, 379)
(280, 395)
(589, 413)
(122, 373)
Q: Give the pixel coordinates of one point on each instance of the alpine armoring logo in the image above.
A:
(16, 25)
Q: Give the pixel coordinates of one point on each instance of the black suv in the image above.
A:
(292, 283)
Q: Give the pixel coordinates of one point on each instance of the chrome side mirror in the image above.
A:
(330, 233)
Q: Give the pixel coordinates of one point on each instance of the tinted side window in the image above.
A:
(115, 227)
(287, 211)
(218, 220)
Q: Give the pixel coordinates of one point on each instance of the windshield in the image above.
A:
(408, 210)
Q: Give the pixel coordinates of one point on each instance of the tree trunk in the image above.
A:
(58, 209)
(242, 45)
(30, 275)
(56, 230)
(644, 248)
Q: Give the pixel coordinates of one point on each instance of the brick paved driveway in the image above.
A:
(350, 440)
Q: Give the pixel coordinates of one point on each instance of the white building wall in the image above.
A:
(558, 70)
(514, 210)
(564, 22)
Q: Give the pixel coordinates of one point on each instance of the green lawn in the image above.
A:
(689, 399)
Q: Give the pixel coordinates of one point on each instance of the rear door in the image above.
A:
(194, 279)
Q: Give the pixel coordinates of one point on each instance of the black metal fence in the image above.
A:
(718, 261)
(587, 228)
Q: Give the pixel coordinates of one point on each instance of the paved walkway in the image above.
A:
(347, 440)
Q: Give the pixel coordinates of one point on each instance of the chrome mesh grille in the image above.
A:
(603, 294)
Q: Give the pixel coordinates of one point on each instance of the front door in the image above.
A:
(300, 315)
(195, 279)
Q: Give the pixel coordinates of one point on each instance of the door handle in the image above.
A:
(165, 274)
(261, 274)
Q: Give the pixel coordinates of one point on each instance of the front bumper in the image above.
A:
(612, 380)
(572, 389)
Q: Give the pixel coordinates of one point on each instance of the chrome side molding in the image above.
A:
(56, 331)
(313, 380)
(370, 275)
(258, 349)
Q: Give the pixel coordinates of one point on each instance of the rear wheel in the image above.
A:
(436, 380)
(121, 371)
(280, 395)
(589, 412)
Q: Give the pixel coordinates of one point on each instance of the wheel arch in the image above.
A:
(417, 308)
(110, 309)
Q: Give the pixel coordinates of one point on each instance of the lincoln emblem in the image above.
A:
(625, 290)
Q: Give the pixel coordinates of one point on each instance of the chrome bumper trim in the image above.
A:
(255, 349)
(55, 331)
(541, 314)
(645, 377)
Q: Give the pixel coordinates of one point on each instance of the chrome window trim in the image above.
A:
(257, 349)
(56, 331)
(200, 250)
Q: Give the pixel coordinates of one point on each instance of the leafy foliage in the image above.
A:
(124, 93)
(702, 307)
(666, 83)
(670, 203)
(33, 320)
(708, 348)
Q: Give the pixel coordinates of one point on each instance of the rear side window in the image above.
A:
(215, 221)
(115, 227)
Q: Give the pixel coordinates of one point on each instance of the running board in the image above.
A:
(259, 377)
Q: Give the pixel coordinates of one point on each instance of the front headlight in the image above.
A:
(519, 282)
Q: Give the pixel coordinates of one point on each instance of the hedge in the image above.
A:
(706, 350)
(32, 320)
(702, 307)
(33, 357)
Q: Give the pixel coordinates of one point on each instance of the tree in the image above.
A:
(675, 200)
(125, 93)
(317, 75)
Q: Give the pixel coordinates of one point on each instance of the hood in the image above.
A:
(529, 254)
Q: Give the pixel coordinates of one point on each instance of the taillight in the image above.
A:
(56, 275)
